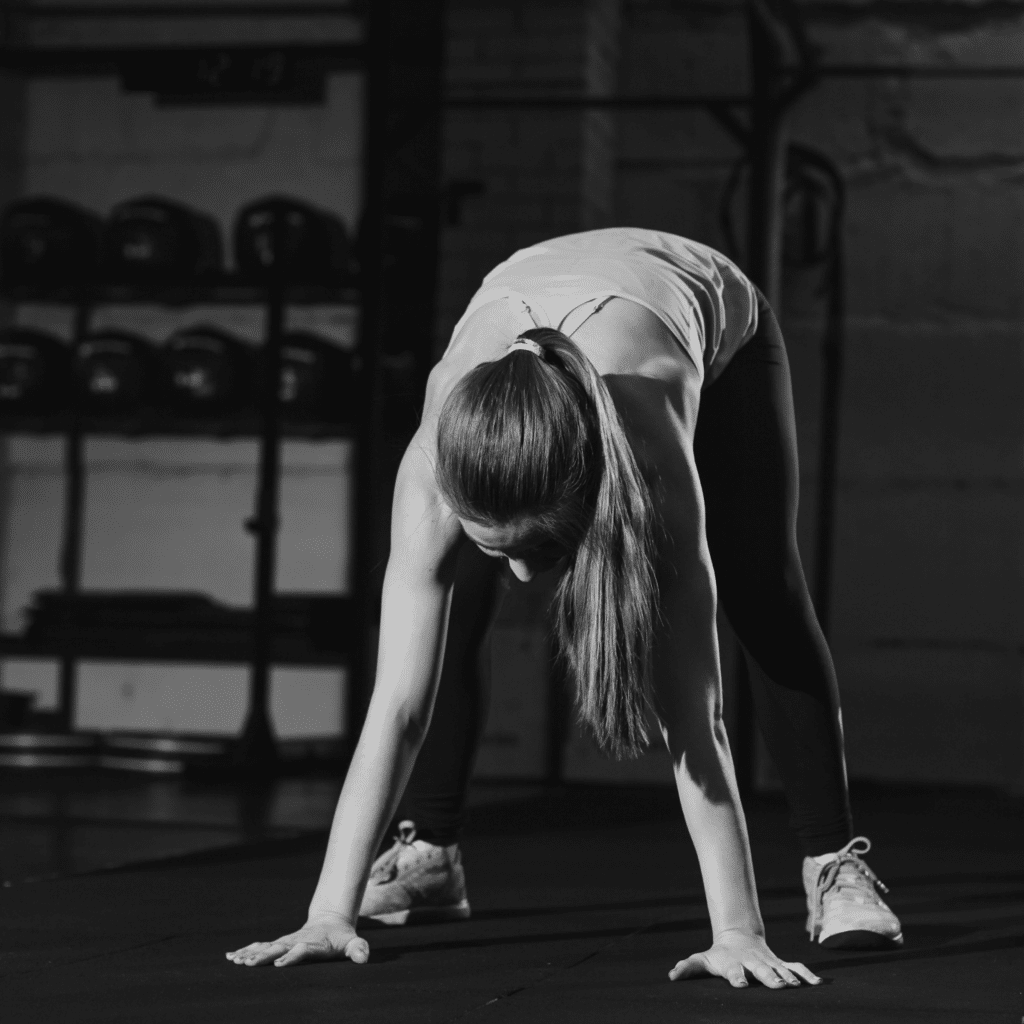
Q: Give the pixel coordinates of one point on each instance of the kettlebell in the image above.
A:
(115, 371)
(46, 242)
(35, 371)
(208, 370)
(283, 239)
(157, 241)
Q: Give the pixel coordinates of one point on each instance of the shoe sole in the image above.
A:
(861, 940)
(425, 915)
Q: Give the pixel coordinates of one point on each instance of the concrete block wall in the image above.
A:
(542, 172)
(928, 599)
(163, 514)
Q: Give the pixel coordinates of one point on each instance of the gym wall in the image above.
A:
(169, 514)
(928, 602)
(927, 595)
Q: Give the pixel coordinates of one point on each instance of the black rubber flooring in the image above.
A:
(583, 899)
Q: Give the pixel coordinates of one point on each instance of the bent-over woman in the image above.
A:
(615, 407)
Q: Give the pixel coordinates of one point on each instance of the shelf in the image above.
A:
(227, 290)
(172, 424)
(167, 645)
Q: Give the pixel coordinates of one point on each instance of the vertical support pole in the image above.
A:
(256, 751)
(71, 546)
(764, 267)
(828, 465)
(398, 253)
(768, 141)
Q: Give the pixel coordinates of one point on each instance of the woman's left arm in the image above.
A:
(688, 691)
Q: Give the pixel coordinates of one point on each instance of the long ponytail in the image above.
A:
(540, 439)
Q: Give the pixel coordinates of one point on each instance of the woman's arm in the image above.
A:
(425, 538)
(688, 691)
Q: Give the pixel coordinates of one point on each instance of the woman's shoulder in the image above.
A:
(423, 525)
(482, 337)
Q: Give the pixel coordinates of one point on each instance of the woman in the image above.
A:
(560, 431)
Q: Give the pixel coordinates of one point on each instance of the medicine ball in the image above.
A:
(316, 379)
(287, 240)
(208, 369)
(35, 371)
(157, 241)
(48, 242)
(116, 371)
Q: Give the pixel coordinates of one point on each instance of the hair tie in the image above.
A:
(530, 346)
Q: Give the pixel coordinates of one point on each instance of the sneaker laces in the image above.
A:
(833, 880)
(386, 866)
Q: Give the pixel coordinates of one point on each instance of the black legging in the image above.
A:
(746, 454)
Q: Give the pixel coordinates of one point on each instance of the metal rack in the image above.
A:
(399, 56)
(266, 425)
(296, 75)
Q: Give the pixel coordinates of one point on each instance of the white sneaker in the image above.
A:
(416, 881)
(845, 909)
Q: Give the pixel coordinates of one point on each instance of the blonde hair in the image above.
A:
(539, 440)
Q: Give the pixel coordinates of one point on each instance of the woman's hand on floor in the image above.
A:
(736, 954)
(321, 938)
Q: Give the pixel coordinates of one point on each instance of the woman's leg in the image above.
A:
(746, 456)
(435, 798)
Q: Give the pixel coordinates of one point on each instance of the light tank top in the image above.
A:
(703, 298)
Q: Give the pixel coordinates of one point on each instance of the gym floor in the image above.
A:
(121, 896)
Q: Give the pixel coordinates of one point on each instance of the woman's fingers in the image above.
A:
(783, 971)
(245, 950)
(314, 942)
(263, 956)
(736, 976)
(788, 977)
(299, 952)
(766, 975)
(698, 964)
(772, 973)
(804, 972)
(692, 967)
(358, 950)
(257, 953)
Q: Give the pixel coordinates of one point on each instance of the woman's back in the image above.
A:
(701, 297)
(653, 382)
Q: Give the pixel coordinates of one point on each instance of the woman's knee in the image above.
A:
(476, 595)
(767, 599)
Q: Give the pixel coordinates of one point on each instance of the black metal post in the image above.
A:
(256, 750)
(71, 545)
(831, 393)
(767, 142)
(398, 254)
(767, 154)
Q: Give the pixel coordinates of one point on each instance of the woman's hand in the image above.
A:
(736, 953)
(323, 937)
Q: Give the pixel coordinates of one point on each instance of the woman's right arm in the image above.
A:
(425, 538)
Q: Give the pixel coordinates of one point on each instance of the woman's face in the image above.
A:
(528, 554)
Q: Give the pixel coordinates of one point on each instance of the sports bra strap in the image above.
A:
(521, 308)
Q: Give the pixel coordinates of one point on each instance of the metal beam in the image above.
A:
(59, 12)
